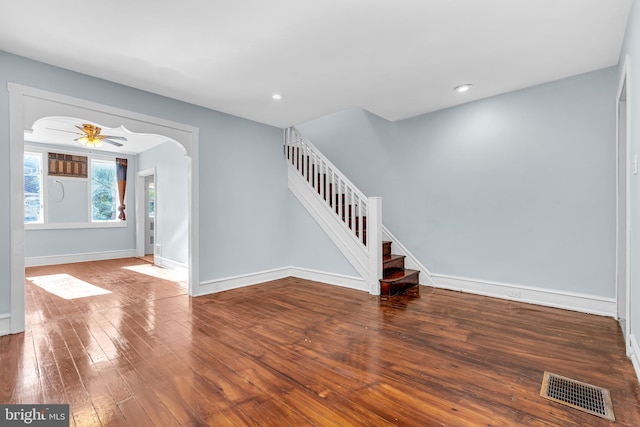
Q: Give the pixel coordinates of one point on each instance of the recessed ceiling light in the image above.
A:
(462, 88)
(276, 96)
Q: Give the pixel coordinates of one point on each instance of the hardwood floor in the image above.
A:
(295, 352)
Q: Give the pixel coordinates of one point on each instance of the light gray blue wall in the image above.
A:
(76, 241)
(243, 199)
(52, 242)
(518, 188)
(631, 47)
(171, 206)
(243, 184)
(310, 247)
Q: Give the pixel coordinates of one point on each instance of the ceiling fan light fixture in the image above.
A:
(90, 142)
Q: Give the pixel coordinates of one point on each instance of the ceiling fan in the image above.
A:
(92, 138)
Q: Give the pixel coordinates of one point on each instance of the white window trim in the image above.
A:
(74, 225)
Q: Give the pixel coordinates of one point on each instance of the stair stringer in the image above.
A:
(411, 261)
(336, 230)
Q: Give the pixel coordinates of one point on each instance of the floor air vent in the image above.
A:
(584, 397)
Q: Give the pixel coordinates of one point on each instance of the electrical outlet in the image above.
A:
(635, 164)
(158, 249)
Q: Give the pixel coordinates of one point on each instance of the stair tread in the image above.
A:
(400, 275)
(392, 257)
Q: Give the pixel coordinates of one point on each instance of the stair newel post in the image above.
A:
(374, 243)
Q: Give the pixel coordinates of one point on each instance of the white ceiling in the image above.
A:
(397, 59)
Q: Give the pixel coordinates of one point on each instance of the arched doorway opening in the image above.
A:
(26, 105)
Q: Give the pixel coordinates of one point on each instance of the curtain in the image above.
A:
(121, 173)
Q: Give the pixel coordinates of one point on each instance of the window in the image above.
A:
(33, 212)
(68, 190)
(104, 191)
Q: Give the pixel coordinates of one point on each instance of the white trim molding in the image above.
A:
(75, 225)
(635, 354)
(623, 95)
(250, 279)
(350, 282)
(169, 264)
(141, 209)
(566, 300)
(82, 257)
(5, 324)
(240, 281)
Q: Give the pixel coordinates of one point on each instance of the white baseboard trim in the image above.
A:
(170, 264)
(410, 260)
(84, 257)
(350, 282)
(635, 354)
(567, 300)
(5, 324)
(227, 283)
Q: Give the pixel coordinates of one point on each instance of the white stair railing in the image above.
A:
(359, 217)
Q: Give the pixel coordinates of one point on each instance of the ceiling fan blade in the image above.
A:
(117, 144)
(68, 131)
(119, 138)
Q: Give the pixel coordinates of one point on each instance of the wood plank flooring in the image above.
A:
(295, 352)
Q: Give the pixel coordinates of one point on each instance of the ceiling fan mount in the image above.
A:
(92, 137)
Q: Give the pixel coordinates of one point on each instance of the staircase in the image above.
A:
(352, 220)
(395, 278)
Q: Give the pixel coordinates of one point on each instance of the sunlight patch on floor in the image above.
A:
(66, 286)
(159, 272)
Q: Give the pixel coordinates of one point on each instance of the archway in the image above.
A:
(26, 105)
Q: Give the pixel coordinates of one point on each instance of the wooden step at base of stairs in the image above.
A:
(391, 263)
(398, 281)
